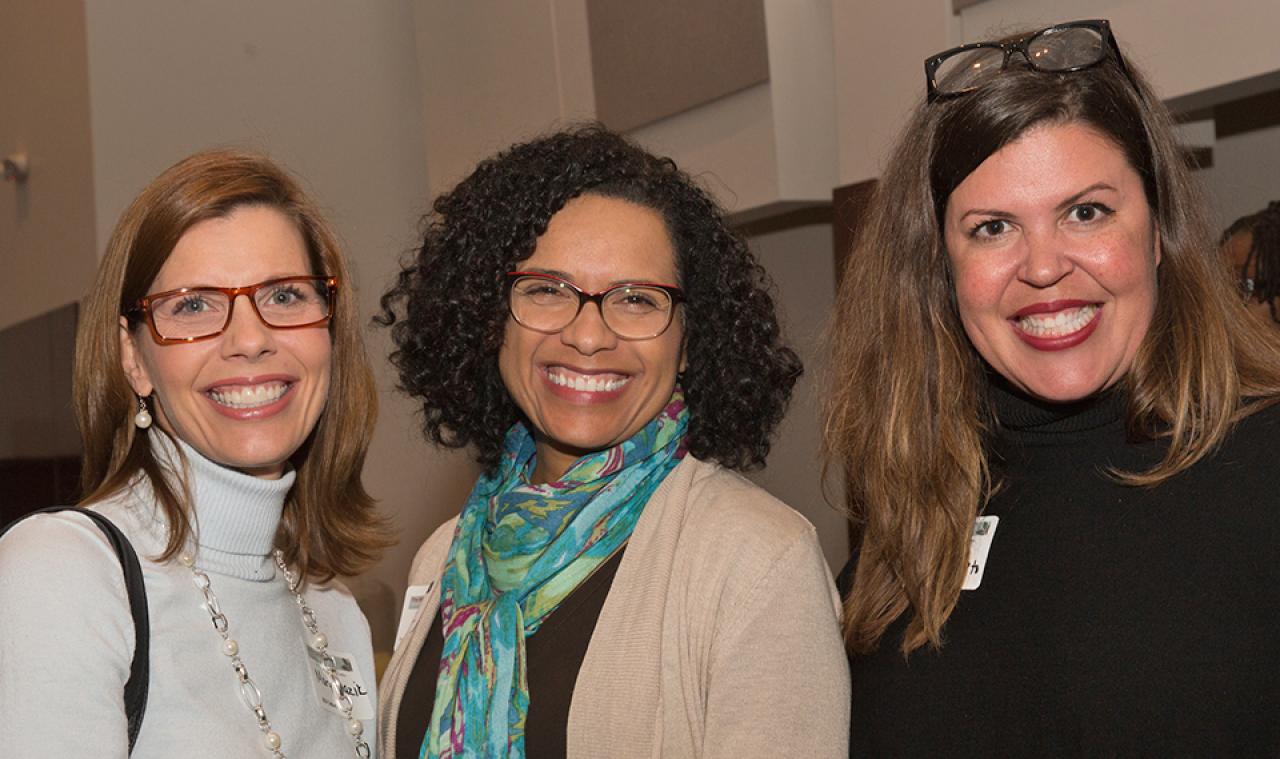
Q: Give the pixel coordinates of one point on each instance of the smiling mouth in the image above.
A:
(586, 383)
(248, 396)
(1060, 324)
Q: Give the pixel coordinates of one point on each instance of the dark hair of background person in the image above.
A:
(329, 525)
(1263, 262)
(448, 308)
(908, 419)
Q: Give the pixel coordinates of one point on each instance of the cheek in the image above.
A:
(514, 357)
(323, 363)
(977, 290)
(665, 356)
(1129, 268)
(173, 367)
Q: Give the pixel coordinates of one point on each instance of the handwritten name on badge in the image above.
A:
(984, 531)
(349, 678)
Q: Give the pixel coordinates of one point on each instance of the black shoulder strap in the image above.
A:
(135, 690)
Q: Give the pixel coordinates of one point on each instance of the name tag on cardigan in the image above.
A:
(349, 678)
(984, 531)
(413, 598)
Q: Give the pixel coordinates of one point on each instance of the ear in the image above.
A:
(131, 362)
(1159, 251)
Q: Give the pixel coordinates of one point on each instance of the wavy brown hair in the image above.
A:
(908, 422)
(330, 525)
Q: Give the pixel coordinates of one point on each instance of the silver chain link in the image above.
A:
(249, 693)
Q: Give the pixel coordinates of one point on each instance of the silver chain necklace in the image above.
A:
(319, 642)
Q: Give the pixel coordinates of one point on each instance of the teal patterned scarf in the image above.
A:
(520, 550)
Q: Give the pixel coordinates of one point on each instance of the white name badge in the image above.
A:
(984, 531)
(413, 598)
(349, 677)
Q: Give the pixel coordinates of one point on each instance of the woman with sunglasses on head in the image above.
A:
(225, 403)
(581, 317)
(1054, 417)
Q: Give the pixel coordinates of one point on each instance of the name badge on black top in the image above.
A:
(984, 531)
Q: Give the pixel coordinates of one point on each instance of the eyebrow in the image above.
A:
(569, 278)
(206, 286)
(1096, 186)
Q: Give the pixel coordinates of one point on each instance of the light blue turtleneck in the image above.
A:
(66, 636)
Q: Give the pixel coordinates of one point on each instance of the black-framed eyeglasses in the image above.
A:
(1061, 48)
(632, 310)
(189, 314)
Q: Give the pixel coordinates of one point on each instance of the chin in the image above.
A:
(1059, 391)
(252, 458)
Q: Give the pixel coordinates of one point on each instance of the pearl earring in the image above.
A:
(142, 419)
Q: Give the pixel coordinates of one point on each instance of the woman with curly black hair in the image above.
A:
(580, 316)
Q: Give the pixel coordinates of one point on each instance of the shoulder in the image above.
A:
(1261, 419)
(66, 635)
(1252, 441)
(723, 507)
(429, 561)
(60, 574)
(735, 536)
(63, 543)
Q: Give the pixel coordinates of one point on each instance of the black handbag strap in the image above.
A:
(135, 689)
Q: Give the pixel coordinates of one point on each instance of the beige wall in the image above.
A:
(495, 73)
(879, 74)
(381, 105)
(800, 261)
(47, 224)
(331, 90)
(1184, 47)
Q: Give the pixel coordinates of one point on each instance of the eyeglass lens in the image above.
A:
(632, 311)
(1055, 49)
(200, 312)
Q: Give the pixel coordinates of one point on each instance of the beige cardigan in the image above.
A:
(719, 636)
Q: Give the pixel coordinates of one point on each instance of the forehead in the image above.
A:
(596, 240)
(1047, 163)
(250, 244)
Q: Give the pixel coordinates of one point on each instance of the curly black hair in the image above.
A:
(448, 309)
(1259, 275)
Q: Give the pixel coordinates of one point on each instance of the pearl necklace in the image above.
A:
(249, 693)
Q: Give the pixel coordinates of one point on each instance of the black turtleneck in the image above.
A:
(1110, 620)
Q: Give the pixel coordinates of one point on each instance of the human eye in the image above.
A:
(1086, 213)
(542, 291)
(637, 299)
(285, 294)
(989, 229)
(189, 304)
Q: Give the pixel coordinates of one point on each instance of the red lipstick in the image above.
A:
(1056, 342)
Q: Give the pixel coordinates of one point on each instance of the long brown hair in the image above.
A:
(908, 421)
(330, 525)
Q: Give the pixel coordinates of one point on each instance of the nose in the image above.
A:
(247, 335)
(1046, 260)
(587, 333)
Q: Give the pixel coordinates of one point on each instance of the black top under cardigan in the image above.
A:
(553, 657)
(1110, 620)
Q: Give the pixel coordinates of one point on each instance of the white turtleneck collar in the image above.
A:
(235, 515)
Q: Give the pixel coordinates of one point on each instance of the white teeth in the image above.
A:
(585, 384)
(250, 396)
(1057, 325)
